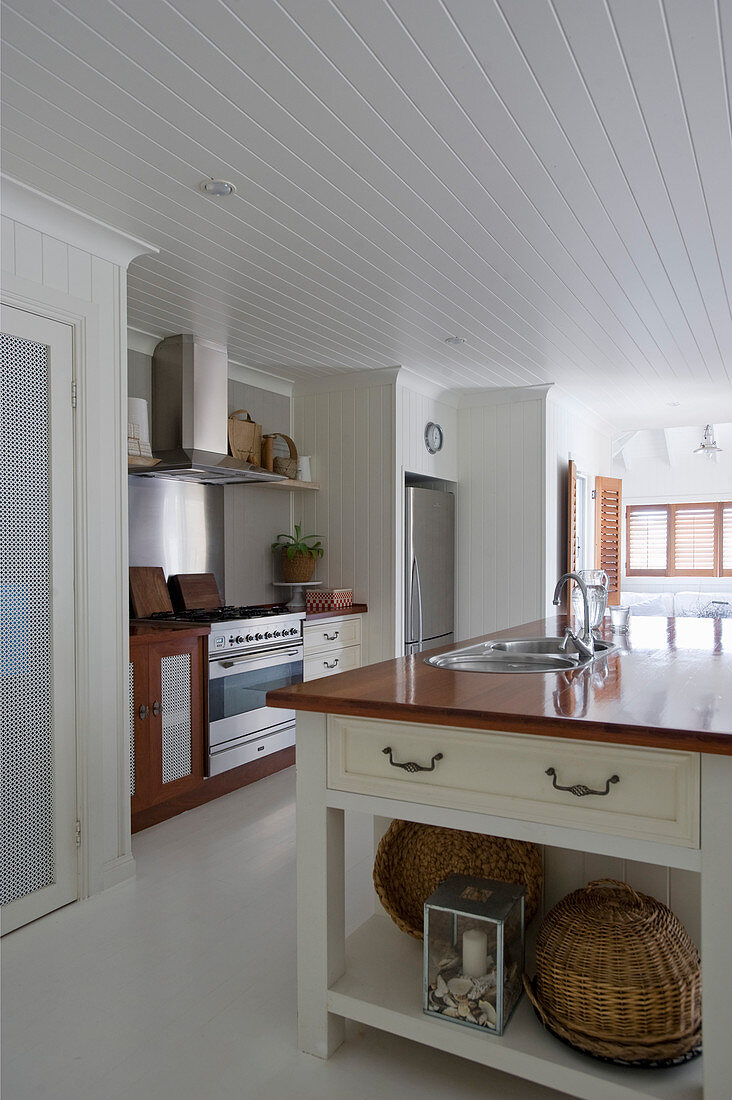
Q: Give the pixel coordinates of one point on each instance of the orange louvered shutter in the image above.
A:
(693, 549)
(608, 501)
(727, 540)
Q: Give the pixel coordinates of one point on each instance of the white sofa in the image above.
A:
(704, 605)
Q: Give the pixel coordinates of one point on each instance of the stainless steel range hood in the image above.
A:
(190, 415)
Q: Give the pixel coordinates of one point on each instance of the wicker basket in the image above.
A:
(245, 438)
(412, 859)
(618, 976)
(298, 569)
(285, 466)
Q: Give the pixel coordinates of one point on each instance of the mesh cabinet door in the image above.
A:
(38, 855)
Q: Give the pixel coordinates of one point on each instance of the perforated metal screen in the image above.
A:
(26, 701)
(176, 700)
(131, 691)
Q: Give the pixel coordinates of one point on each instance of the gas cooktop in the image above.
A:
(220, 614)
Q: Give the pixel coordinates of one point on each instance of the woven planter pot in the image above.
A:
(618, 976)
(297, 570)
(412, 859)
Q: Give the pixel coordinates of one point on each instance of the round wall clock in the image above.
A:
(433, 438)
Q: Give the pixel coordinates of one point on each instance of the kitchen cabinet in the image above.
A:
(167, 713)
(331, 645)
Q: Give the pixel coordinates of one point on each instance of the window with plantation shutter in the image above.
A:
(693, 541)
(679, 540)
(647, 541)
(727, 540)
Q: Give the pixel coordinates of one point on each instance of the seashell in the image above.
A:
(449, 1000)
(450, 1011)
(464, 1010)
(448, 962)
(489, 1012)
(441, 987)
(480, 987)
(460, 987)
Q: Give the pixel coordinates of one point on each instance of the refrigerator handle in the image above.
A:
(415, 576)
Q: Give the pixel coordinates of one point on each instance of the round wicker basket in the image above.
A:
(412, 859)
(618, 976)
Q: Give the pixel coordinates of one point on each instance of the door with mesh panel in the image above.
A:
(38, 851)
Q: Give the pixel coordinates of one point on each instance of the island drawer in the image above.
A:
(331, 634)
(650, 794)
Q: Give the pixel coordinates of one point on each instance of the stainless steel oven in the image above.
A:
(246, 660)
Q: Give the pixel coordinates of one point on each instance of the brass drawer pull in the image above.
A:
(410, 766)
(331, 666)
(331, 637)
(579, 789)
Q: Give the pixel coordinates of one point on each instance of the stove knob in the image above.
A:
(268, 634)
(239, 639)
(293, 630)
(258, 638)
(250, 637)
(277, 634)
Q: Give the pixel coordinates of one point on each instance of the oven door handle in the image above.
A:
(258, 657)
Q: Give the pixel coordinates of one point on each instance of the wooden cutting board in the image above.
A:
(148, 591)
(190, 591)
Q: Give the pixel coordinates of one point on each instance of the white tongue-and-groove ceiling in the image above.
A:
(548, 179)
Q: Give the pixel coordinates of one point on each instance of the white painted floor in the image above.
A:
(180, 984)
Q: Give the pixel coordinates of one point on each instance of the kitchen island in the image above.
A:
(499, 754)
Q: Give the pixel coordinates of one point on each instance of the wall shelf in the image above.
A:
(290, 484)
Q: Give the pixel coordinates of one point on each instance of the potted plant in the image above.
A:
(299, 554)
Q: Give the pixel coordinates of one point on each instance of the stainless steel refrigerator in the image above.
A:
(430, 569)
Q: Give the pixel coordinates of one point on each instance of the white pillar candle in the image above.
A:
(475, 953)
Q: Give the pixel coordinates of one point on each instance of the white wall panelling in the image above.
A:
(502, 514)
(57, 273)
(350, 435)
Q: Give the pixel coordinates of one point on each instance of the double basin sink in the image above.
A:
(519, 655)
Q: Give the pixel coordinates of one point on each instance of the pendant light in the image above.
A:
(708, 445)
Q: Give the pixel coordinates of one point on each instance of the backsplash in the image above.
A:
(240, 528)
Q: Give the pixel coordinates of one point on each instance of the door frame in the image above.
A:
(83, 318)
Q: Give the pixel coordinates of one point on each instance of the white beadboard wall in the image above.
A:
(415, 409)
(349, 434)
(79, 276)
(571, 432)
(501, 513)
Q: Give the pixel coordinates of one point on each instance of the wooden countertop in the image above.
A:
(669, 685)
(152, 630)
(354, 609)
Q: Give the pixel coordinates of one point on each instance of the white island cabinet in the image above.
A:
(676, 812)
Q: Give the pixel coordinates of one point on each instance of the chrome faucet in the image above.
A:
(584, 645)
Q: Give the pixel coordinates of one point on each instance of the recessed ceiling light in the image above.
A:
(218, 188)
(455, 341)
(673, 404)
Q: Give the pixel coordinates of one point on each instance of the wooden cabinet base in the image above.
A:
(208, 789)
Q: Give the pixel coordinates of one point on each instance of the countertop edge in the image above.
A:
(569, 729)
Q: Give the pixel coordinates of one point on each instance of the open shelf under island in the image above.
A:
(657, 710)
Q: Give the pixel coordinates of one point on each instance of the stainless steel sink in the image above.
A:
(519, 655)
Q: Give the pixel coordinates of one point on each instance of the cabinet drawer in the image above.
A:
(655, 797)
(329, 662)
(332, 634)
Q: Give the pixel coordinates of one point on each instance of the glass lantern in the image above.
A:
(474, 952)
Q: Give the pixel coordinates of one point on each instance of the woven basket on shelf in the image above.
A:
(618, 976)
(285, 466)
(412, 859)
